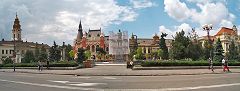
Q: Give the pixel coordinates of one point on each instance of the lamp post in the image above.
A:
(208, 27)
(14, 53)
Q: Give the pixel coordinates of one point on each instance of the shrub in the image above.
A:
(7, 61)
(58, 64)
(185, 63)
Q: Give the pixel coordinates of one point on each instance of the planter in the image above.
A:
(87, 64)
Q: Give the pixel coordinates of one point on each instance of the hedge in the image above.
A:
(59, 64)
(184, 63)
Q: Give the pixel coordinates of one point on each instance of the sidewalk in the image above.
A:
(121, 71)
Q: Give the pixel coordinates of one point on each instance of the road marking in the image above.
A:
(49, 85)
(88, 84)
(109, 78)
(177, 89)
(83, 77)
(58, 81)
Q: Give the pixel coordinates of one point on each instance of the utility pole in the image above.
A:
(14, 53)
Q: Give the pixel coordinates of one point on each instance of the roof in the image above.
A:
(225, 30)
(23, 44)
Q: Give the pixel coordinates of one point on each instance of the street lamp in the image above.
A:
(14, 52)
(208, 27)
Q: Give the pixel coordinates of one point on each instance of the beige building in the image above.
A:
(148, 45)
(226, 35)
(7, 47)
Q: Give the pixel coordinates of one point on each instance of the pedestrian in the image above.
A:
(210, 64)
(48, 65)
(223, 62)
(39, 66)
(226, 65)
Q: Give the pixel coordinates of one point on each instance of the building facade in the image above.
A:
(148, 45)
(20, 47)
(226, 35)
(91, 40)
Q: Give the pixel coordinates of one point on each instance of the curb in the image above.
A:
(50, 68)
(120, 74)
(180, 67)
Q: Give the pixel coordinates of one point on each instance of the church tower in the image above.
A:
(234, 28)
(80, 33)
(16, 31)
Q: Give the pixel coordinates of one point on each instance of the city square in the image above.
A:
(114, 45)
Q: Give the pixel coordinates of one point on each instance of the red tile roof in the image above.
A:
(226, 31)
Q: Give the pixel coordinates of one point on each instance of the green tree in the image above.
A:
(139, 54)
(160, 53)
(179, 46)
(43, 55)
(194, 51)
(206, 50)
(7, 60)
(36, 54)
(163, 47)
(68, 49)
(54, 53)
(100, 52)
(71, 54)
(233, 53)
(81, 56)
(218, 50)
(28, 57)
(88, 54)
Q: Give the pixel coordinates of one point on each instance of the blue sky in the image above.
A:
(44, 21)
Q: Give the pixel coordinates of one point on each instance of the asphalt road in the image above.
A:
(48, 82)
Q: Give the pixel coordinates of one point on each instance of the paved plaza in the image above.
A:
(121, 70)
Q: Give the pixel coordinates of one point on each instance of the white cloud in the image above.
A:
(176, 9)
(138, 4)
(46, 20)
(185, 27)
(211, 12)
(172, 31)
(207, 12)
(226, 23)
(163, 29)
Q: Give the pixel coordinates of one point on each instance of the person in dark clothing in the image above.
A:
(210, 64)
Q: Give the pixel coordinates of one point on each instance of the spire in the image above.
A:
(80, 32)
(16, 16)
(80, 25)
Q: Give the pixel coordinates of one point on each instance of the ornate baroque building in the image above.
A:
(91, 40)
(226, 35)
(7, 47)
(148, 45)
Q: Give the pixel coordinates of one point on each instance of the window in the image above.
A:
(2, 51)
(6, 51)
(144, 50)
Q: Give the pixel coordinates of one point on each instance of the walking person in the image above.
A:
(39, 66)
(225, 65)
(210, 64)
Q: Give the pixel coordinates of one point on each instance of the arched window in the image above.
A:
(88, 47)
(93, 48)
(144, 50)
(107, 49)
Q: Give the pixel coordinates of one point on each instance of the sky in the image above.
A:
(45, 21)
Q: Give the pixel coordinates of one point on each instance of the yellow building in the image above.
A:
(226, 35)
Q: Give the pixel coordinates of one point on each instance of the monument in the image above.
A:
(119, 45)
